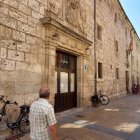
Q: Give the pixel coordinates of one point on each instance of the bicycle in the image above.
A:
(22, 122)
(100, 98)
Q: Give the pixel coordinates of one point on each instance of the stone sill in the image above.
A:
(100, 80)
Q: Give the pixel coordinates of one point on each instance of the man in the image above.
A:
(42, 118)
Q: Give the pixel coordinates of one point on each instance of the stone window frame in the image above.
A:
(127, 54)
(99, 32)
(116, 17)
(137, 80)
(116, 44)
(117, 73)
(126, 32)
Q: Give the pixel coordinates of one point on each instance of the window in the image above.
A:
(137, 80)
(127, 53)
(126, 33)
(62, 60)
(115, 17)
(117, 73)
(116, 46)
(132, 60)
(100, 70)
(99, 32)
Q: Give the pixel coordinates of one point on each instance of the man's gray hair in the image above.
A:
(44, 92)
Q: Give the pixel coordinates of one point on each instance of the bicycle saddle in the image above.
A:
(24, 106)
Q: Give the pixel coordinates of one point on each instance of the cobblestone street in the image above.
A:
(117, 121)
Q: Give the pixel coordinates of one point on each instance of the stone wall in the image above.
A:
(32, 30)
(120, 31)
(21, 49)
(135, 62)
(28, 48)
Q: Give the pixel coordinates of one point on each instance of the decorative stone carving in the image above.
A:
(75, 14)
(56, 7)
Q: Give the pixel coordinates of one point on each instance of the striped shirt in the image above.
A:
(41, 117)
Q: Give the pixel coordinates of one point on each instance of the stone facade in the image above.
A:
(28, 45)
(115, 28)
(32, 30)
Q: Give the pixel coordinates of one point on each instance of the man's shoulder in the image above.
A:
(41, 103)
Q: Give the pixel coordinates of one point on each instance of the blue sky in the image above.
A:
(132, 9)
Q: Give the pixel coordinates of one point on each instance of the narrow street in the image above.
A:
(120, 120)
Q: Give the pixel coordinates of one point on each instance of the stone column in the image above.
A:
(79, 81)
(82, 87)
(49, 72)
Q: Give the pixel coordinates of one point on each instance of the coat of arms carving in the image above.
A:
(75, 14)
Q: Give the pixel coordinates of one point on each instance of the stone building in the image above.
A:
(45, 42)
(117, 48)
(57, 43)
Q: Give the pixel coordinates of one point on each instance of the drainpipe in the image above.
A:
(95, 60)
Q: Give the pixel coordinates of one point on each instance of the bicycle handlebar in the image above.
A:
(1, 97)
(11, 102)
(7, 102)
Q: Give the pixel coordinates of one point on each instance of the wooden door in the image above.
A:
(66, 95)
(127, 81)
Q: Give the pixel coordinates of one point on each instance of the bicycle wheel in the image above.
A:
(24, 126)
(104, 100)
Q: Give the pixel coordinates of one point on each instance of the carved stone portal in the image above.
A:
(75, 14)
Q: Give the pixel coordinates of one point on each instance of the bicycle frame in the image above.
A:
(3, 113)
(22, 118)
(3, 109)
(14, 125)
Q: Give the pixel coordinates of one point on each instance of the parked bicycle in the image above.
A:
(100, 98)
(22, 122)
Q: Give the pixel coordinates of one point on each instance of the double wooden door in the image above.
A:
(65, 81)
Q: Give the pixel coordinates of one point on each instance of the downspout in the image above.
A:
(95, 59)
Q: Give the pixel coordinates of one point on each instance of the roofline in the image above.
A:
(133, 28)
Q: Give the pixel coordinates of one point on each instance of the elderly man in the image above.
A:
(42, 118)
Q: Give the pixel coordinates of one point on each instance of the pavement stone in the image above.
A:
(117, 121)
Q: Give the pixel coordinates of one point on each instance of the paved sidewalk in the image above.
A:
(120, 120)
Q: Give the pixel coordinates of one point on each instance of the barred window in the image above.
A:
(116, 46)
(117, 73)
(100, 70)
(99, 32)
(115, 17)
